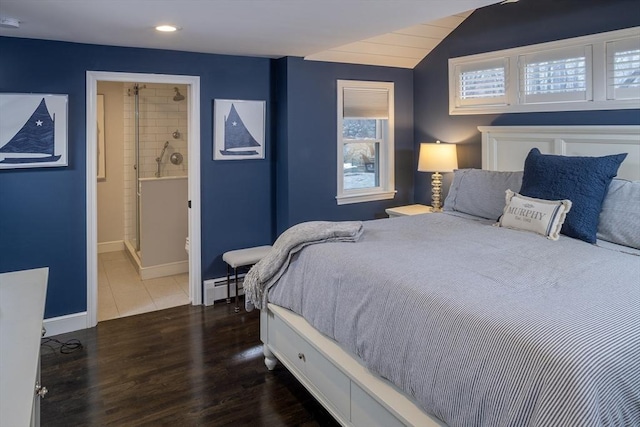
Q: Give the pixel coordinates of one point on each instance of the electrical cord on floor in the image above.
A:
(65, 347)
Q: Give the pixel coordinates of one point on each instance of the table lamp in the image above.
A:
(437, 158)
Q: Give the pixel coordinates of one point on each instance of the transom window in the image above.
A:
(365, 141)
(623, 69)
(482, 83)
(556, 76)
(595, 72)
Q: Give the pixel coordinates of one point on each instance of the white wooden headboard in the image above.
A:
(504, 148)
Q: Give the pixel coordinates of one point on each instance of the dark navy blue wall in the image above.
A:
(246, 203)
(502, 27)
(42, 211)
(307, 176)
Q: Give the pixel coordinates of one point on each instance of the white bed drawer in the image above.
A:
(366, 411)
(288, 343)
(329, 383)
(352, 394)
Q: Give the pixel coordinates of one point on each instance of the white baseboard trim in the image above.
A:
(216, 289)
(63, 324)
(155, 271)
(163, 270)
(114, 246)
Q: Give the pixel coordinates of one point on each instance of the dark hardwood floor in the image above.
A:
(184, 366)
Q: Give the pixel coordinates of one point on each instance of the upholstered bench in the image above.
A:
(241, 258)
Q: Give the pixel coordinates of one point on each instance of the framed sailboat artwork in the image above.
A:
(238, 129)
(33, 130)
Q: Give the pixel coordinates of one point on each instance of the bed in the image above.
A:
(445, 319)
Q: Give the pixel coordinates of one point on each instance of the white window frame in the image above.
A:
(613, 47)
(386, 170)
(598, 95)
(460, 69)
(558, 55)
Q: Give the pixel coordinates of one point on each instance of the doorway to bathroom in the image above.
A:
(143, 169)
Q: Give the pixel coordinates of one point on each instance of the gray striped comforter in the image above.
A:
(483, 326)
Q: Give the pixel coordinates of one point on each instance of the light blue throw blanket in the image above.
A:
(269, 269)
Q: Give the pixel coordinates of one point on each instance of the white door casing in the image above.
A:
(193, 99)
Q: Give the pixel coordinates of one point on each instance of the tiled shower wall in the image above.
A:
(159, 117)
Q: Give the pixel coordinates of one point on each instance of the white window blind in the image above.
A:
(623, 69)
(556, 76)
(482, 83)
(369, 103)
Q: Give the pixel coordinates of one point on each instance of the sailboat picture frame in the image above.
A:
(33, 130)
(239, 129)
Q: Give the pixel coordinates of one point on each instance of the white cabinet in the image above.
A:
(22, 297)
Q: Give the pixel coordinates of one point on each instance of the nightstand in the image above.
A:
(408, 210)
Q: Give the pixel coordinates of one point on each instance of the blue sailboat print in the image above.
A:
(35, 141)
(237, 136)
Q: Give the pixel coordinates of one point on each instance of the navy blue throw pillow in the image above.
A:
(583, 180)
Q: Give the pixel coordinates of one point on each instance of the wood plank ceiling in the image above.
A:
(403, 48)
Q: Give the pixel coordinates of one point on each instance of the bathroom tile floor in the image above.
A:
(122, 293)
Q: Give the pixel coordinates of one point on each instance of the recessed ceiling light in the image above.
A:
(167, 28)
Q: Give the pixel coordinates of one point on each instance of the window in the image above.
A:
(595, 72)
(556, 76)
(483, 83)
(623, 69)
(365, 141)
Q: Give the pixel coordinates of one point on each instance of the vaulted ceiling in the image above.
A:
(395, 33)
(403, 48)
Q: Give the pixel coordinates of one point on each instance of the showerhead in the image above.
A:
(178, 96)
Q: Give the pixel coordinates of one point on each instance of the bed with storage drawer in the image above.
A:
(465, 317)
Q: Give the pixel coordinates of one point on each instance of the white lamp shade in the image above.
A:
(437, 157)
